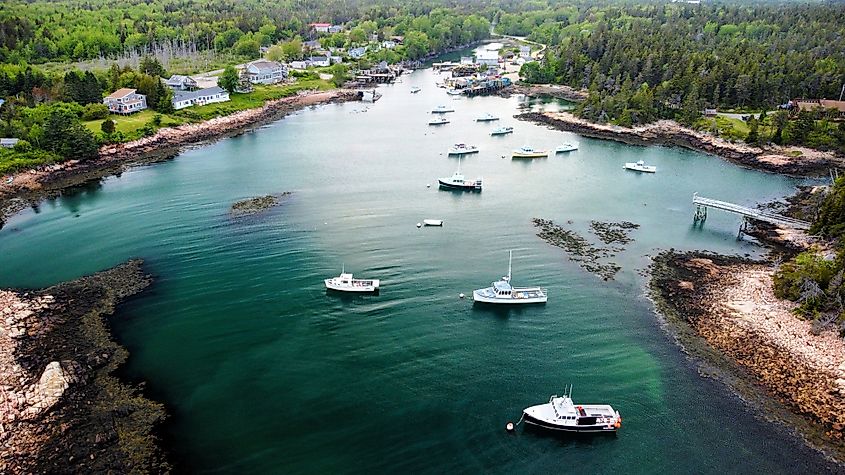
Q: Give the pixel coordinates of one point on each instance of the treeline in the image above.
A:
(814, 280)
(70, 30)
(671, 60)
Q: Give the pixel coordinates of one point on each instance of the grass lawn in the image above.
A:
(129, 124)
(251, 100)
(733, 129)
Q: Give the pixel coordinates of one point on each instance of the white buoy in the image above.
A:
(461, 295)
(419, 225)
(428, 185)
(509, 426)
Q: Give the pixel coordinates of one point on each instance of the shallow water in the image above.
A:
(265, 372)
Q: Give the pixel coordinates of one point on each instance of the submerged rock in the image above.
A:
(252, 206)
(580, 250)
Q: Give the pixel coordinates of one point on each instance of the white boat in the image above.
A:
(438, 121)
(433, 222)
(442, 110)
(459, 182)
(462, 149)
(502, 292)
(345, 283)
(487, 118)
(640, 166)
(502, 131)
(528, 152)
(567, 147)
(415, 90)
(562, 415)
(454, 92)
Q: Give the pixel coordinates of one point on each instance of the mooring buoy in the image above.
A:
(509, 426)
(461, 295)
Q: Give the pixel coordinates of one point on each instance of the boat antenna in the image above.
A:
(510, 258)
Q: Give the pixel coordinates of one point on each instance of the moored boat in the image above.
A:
(442, 110)
(433, 222)
(462, 149)
(345, 283)
(567, 147)
(454, 92)
(487, 118)
(415, 90)
(502, 131)
(459, 182)
(528, 152)
(438, 121)
(562, 415)
(640, 166)
(502, 292)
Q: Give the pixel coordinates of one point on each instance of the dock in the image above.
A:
(702, 204)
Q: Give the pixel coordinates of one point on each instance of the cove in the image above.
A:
(264, 372)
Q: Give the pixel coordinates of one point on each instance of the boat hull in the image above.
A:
(358, 289)
(641, 169)
(478, 297)
(438, 123)
(462, 152)
(501, 133)
(560, 428)
(451, 186)
(530, 155)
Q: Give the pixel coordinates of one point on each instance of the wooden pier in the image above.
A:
(702, 204)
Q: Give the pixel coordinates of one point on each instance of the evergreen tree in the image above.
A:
(67, 137)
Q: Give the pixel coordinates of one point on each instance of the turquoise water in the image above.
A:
(264, 372)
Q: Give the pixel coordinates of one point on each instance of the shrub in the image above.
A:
(95, 111)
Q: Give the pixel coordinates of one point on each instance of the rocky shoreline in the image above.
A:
(722, 310)
(60, 405)
(30, 187)
(665, 132)
(252, 206)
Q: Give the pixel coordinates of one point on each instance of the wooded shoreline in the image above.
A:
(774, 159)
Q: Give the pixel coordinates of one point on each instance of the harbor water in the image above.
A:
(262, 371)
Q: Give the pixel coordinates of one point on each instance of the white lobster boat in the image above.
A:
(415, 90)
(462, 149)
(486, 118)
(438, 121)
(640, 166)
(567, 147)
(345, 283)
(502, 131)
(442, 110)
(562, 415)
(502, 292)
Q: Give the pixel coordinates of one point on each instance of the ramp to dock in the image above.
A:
(703, 203)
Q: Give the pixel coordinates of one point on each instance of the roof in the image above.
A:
(809, 104)
(188, 95)
(179, 79)
(120, 93)
(265, 64)
(9, 141)
(487, 54)
(326, 25)
(318, 58)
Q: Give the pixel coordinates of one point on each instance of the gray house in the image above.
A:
(264, 71)
(202, 97)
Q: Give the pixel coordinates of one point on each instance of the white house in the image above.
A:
(202, 97)
(321, 27)
(389, 44)
(264, 71)
(487, 57)
(298, 65)
(125, 101)
(525, 52)
(319, 61)
(8, 142)
(335, 29)
(182, 83)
